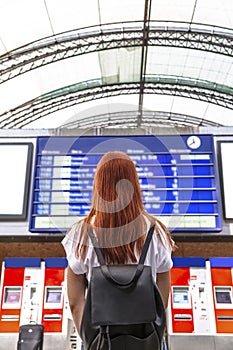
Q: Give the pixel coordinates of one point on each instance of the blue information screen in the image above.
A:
(177, 174)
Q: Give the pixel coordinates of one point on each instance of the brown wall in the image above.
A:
(32, 249)
(204, 249)
(55, 249)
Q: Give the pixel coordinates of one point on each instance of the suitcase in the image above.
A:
(31, 337)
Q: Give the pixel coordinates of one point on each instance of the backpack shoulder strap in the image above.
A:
(143, 253)
(96, 246)
(146, 245)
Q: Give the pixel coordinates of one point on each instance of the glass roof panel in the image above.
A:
(120, 65)
(58, 118)
(121, 11)
(106, 106)
(219, 114)
(22, 22)
(190, 107)
(212, 12)
(68, 72)
(36, 83)
(191, 64)
(18, 91)
(86, 110)
(71, 14)
(170, 10)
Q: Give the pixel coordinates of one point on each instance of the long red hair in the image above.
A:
(117, 215)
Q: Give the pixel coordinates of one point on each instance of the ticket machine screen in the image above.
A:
(181, 297)
(223, 296)
(12, 297)
(53, 297)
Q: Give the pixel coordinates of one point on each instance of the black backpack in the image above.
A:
(124, 309)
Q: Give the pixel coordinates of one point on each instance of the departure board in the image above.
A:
(177, 175)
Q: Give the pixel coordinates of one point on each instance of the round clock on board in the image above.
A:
(193, 142)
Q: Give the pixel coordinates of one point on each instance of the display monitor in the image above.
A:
(223, 297)
(226, 151)
(12, 297)
(181, 297)
(177, 175)
(53, 297)
(15, 160)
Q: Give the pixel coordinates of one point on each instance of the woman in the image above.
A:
(120, 223)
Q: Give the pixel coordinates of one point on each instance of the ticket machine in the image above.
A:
(190, 323)
(54, 288)
(21, 293)
(22, 281)
(32, 291)
(222, 288)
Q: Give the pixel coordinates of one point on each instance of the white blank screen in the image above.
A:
(13, 160)
(227, 176)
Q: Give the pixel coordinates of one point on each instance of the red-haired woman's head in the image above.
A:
(116, 210)
(116, 189)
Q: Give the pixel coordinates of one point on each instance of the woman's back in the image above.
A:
(119, 223)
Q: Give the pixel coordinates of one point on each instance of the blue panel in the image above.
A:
(189, 262)
(56, 262)
(221, 262)
(22, 262)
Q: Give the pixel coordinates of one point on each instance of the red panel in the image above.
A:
(12, 277)
(52, 325)
(53, 277)
(224, 326)
(222, 277)
(182, 326)
(181, 277)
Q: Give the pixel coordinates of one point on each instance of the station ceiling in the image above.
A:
(116, 63)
